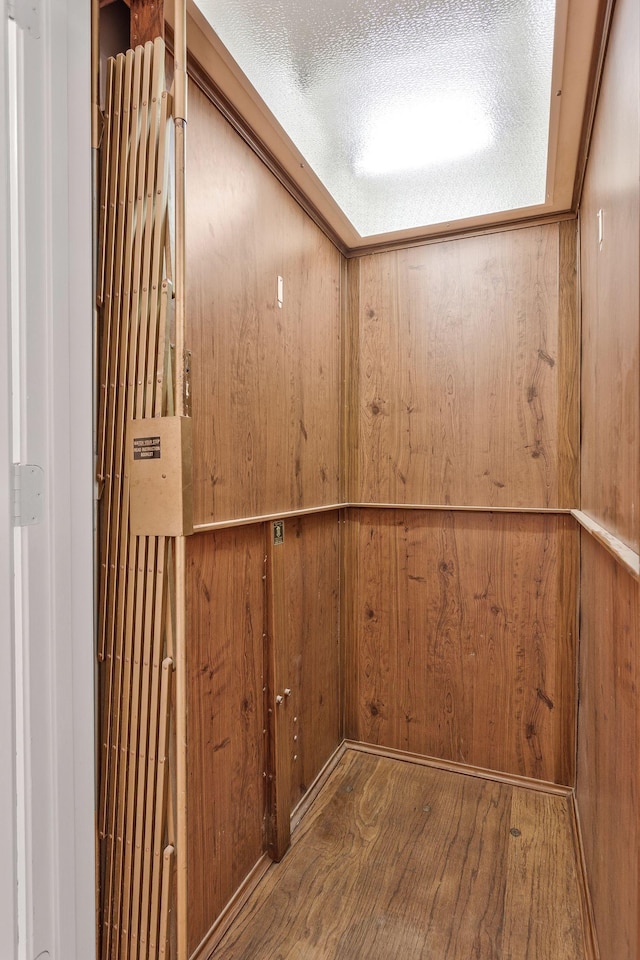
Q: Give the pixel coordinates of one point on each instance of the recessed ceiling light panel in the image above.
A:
(411, 112)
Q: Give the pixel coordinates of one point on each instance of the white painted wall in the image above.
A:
(47, 715)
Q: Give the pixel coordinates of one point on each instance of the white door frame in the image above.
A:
(8, 873)
(47, 666)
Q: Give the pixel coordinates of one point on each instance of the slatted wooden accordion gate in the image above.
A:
(137, 610)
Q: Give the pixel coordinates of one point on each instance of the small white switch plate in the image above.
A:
(600, 228)
(280, 291)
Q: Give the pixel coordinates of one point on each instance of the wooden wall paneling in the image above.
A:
(304, 577)
(265, 378)
(279, 697)
(313, 347)
(147, 21)
(351, 406)
(348, 622)
(222, 263)
(568, 360)
(225, 718)
(313, 603)
(610, 290)
(608, 782)
(458, 373)
(465, 638)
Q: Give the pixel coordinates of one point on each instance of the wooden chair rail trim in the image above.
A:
(327, 508)
(460, 508)
(619, 550)
(263, 518)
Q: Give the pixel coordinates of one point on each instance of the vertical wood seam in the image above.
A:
(568, 367)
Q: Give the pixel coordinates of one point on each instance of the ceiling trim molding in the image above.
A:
(603, 32)
(212, 91)
(216, 75)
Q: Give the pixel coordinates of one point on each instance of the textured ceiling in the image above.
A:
(411, 112)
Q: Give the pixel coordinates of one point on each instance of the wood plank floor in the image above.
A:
(396, 859)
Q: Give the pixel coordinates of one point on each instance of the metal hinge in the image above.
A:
(27, 15)
(28, 494)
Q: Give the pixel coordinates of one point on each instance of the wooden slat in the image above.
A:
(119, 542)
(142, 758)
(153, 586)
(164, 352)
(165, 907)
(153, 251)
(135, 578)
(119, 339)
(130, 596)
(111, 512)
(458, 372)
(121, 609)
(155, 812)
(398, 860)
(123, 784)
(112, 316)
(465, 638)
(149, 234)
(105, 183)
(111, 207)
(153, 804)
(180, 933)
(128, 893)
(113, 312)
(108, 255)
(155, 280)
(162, 786)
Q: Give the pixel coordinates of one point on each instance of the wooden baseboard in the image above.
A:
(311, 795)
(220, 926)
(586, 906)
(465, 769)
